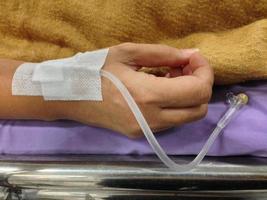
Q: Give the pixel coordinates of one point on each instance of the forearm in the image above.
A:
(23, 107)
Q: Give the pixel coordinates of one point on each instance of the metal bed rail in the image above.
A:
(124, 177)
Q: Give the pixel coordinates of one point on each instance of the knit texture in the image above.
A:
(232, 34)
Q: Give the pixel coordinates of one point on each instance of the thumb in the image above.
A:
(156, 55)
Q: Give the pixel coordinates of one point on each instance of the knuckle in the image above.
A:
(126, 47)
(115, 96)
(157, 125)
(169, 50)
(118, 101)
(205, 93)
(145, 97)
(203, 110)
(140, 99)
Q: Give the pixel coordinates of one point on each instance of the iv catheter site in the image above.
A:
(236, 103)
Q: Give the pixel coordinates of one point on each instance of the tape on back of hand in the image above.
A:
(74, 78)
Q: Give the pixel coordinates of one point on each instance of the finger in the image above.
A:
(156, 55)
(180, 92)
(187, 91)
(187, 70)
(200, 68)
(176, 117)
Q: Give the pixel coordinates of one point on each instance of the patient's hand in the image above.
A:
(179, 97)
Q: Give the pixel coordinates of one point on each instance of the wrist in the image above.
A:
(57, 110)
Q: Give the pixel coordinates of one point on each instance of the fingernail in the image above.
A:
(185, 53)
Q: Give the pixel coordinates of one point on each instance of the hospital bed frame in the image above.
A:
(129, 177)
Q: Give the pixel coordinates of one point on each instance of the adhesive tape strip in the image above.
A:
(74, 78)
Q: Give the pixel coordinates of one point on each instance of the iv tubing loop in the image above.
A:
(235, 104)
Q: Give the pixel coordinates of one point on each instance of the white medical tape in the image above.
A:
(74, 78)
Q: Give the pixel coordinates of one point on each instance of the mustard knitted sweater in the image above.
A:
(232, 34)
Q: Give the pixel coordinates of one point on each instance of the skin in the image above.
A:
(179, 97)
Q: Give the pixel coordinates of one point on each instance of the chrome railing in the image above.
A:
(120, 177)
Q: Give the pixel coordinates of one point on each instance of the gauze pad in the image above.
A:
(74, 78)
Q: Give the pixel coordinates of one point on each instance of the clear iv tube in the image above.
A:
(236, 103)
